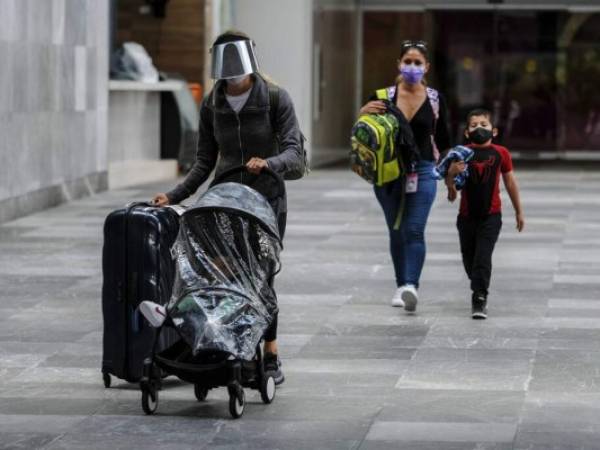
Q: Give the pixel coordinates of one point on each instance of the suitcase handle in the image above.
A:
(132, 205)
(178, 209)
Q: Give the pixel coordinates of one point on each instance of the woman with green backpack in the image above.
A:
(407, 196)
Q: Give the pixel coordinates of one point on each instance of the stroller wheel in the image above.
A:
(106, 379)
(237, 402)
(200, 392)
(267, 389)
(149, 401)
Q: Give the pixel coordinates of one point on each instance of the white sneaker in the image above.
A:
(397, 298)
(410, 298)
(153, 312)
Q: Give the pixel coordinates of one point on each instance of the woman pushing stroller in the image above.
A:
(223, 302)
(240, 124)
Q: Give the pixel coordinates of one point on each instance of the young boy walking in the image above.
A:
(480, 217)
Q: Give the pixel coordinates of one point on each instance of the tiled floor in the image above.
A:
(360, 374)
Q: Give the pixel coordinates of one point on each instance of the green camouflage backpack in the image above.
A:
(374, 156)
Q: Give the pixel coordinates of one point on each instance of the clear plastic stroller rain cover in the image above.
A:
(227, 254)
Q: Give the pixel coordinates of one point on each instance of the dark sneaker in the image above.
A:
(479, 306)
(272, 365)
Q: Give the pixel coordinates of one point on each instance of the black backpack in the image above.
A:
(273, 107)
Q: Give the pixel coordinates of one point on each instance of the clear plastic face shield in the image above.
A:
(233, 59)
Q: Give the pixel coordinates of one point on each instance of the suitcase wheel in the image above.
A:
(200, 392)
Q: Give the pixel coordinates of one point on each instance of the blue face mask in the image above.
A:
(411, 73)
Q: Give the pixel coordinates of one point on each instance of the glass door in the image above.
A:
(334, 83)
(536, 70)
(579, 89)
(505, 61)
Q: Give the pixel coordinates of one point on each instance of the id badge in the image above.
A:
(412, 181)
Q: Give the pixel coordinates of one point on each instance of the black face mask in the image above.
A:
(480, 135)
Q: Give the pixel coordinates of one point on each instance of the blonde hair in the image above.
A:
(267, 78)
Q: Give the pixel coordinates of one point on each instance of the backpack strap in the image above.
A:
(273, 104)
(434, 101)
(391, 91)
(381, 94)
(386, 94)
(212, 101)
(433, 95)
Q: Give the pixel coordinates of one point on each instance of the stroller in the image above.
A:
(226, 256)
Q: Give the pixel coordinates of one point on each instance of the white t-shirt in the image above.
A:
(237, 102)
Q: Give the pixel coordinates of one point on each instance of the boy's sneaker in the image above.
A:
(153, 312)
(479, 306)
(410, 298)
(397, 298)
(272, 365)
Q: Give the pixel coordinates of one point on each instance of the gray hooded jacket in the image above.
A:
(227, 139)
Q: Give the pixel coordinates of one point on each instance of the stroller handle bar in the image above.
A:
(241, 169)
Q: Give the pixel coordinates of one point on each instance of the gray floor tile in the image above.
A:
(359, 373)
(442, 432)
(458, 406)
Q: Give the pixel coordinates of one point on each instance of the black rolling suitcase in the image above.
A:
(137, 265)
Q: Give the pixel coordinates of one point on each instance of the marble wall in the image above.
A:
(53, 102)
(287, 59)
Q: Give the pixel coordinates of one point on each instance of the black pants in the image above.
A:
(478, 237)
(271, 333)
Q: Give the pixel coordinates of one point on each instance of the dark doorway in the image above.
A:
(505, 61)
(382, 34)
(536, 70)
